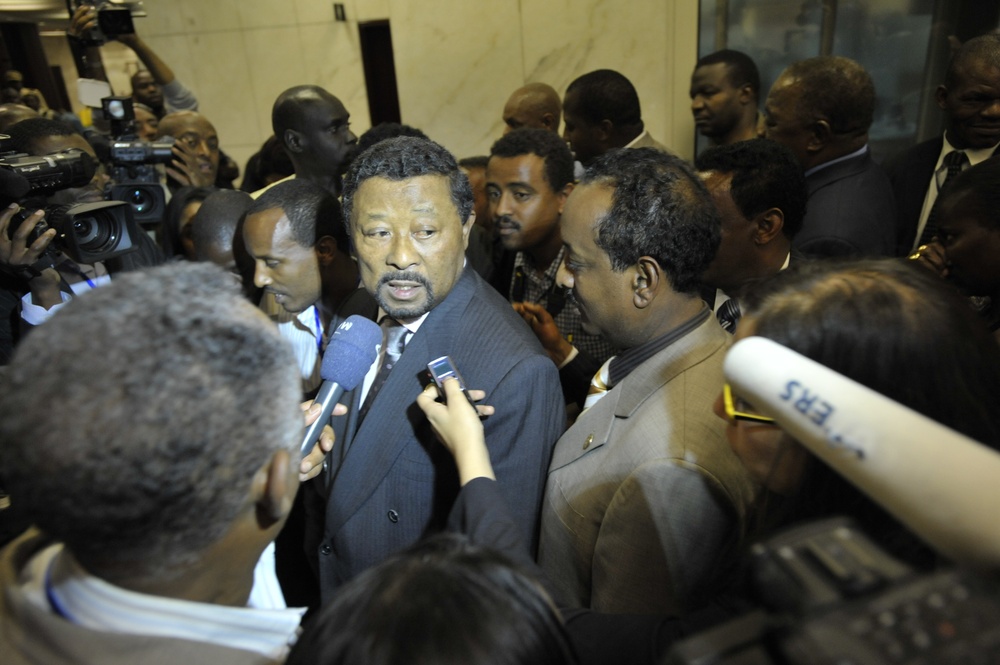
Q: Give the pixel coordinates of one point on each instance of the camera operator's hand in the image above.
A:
(84, 19)
(186, 167)
(15, 251)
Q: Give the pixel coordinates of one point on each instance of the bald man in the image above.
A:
(534, 106)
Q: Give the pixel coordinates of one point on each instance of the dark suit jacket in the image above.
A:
(390, 481)
(910, 173)
(850, 212)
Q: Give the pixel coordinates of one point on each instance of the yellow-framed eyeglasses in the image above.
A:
(734, 415)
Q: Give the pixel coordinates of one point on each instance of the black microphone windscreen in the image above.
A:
(351, 352)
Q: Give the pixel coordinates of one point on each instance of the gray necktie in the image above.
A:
(394, 341)
(954, 162)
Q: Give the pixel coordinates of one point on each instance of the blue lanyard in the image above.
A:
(74, 268)
(50, 594)
(319, 334)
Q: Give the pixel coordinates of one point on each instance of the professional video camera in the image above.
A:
(86, 232)
(834, 598)
(114, 18)
(133, 163)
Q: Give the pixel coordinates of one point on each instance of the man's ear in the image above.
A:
(767, 225)
(820, 135)
(564, 194)
(273, 489)
(550, 122)
(326, 250)
(605, 130)
(941, 97)
(293, 141)
(746, 95)
(467, 229)
(647, 275)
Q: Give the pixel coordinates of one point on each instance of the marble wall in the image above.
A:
(456, 60)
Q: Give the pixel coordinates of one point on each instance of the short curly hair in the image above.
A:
(660, 208)
(545, 144)
(406, 157)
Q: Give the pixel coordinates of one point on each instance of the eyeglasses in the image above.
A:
(734, 415)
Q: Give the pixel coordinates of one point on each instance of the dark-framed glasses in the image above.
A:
(730, 405)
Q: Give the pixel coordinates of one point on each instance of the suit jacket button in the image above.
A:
(325, 549)
(590, 440)
(393, 516)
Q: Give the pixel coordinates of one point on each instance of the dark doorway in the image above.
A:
(380, 71)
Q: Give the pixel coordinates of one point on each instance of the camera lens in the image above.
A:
(93, 236)
(140, 199)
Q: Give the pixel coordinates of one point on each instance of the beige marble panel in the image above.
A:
(367, 10)
(564, 39)
(333, 61)
(224, 89)
(274, 60)
(165, 18)
(209, 15)
(267, 13)
(456, 62)
(175, 50)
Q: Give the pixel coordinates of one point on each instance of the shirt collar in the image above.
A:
(623, 364)
(91, 602)
(633, 142)
(975, 155)
(857, 153)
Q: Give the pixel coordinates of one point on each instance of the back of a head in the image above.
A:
(311, 210)
(377, 134)
(661, 209)
(837, 89)
(406, 157)
(214, 225)
(741, 68)
(11, 114)
(136, 418)
(25, 135)
(984, 49)
(605, 94)
(443, 602)
(765, 174)
(894, 327)
(543, 143)
(287, 112)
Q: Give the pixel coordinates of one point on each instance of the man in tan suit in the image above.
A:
(645, 502)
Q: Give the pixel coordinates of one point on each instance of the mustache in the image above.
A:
(403, 276)
(506, 219)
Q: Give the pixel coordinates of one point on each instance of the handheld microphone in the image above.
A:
(941, 484)
(350, 353)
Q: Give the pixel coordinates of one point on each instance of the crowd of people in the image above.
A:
(590, 490)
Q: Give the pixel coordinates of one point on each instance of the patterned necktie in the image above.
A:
(729, 315)
(599, 386)
(954, 162)
(394, 341)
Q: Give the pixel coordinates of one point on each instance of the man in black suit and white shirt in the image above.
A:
(970, 99)
(389, 482)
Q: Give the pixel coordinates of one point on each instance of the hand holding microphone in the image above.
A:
(350, 353)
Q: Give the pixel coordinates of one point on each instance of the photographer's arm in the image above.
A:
(177, 96)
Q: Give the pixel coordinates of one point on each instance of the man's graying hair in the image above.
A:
(403, 158)
(134, 421)
(660, 208)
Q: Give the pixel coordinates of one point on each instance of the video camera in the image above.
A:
(114, 18)
(835, 598)
(86, 232)
(133, 163)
